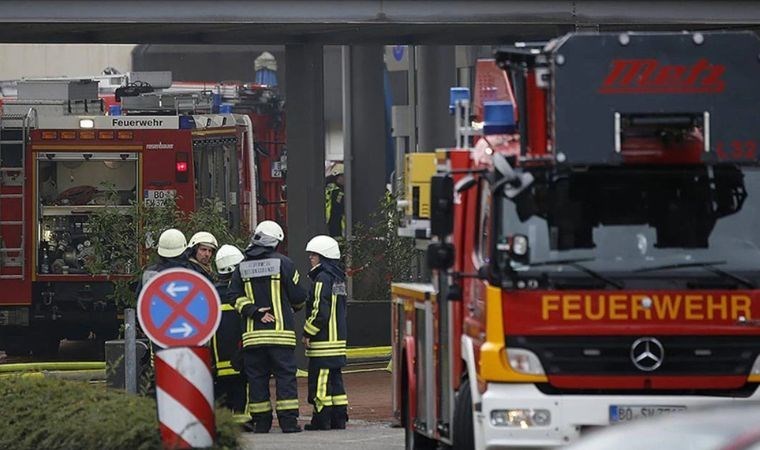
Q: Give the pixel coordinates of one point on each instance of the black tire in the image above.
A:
(464, 434)
(412, 439)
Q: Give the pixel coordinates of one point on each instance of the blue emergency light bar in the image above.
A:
(498, 117)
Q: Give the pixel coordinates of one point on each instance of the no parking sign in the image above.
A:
(179, 308)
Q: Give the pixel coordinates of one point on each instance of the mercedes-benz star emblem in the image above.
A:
(647, 354)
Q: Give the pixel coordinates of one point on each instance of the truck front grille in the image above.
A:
(611, 355)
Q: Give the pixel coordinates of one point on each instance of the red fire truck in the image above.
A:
(59, 154)
(265, 107)
(595, 256)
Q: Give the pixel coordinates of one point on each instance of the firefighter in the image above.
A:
(267, 295)
(171, 245)
(334, 202)
(200, 253)
(229, 383)
(324, 335)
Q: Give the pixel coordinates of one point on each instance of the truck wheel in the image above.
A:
(464, 436)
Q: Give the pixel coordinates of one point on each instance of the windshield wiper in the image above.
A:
(707, 265)
(576, 264)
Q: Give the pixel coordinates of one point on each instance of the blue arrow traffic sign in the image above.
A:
(178, 308)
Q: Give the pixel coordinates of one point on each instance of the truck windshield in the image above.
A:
(638, 221)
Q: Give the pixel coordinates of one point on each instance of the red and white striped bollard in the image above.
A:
(185, 397)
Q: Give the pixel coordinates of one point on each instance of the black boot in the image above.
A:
(338, 418)
(258, 424)
(289, 425)
(319, 420)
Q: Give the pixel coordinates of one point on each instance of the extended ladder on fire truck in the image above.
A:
(14, 133)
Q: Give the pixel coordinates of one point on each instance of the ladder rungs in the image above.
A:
(12, 142)
(9, 249)
(11, 277)
(11, 195)
(11, 169)
(11, 222)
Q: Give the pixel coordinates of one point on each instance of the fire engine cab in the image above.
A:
(595, 252)
(63, 158)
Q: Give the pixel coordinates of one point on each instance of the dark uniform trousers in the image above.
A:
(326, 391)
(260, 362)
(230, 386)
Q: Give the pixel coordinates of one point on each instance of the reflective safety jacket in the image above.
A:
(267, 279)
(335, 209)
(225, 343)
(325, 324)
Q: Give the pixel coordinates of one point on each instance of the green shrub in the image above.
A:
(45, 413)
(375, 254)
(120, 247)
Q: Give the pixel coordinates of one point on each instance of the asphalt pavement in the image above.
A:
(360, 435)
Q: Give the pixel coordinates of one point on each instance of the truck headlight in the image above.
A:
(524, 361)
(521, 418)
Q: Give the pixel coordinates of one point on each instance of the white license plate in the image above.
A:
(277, 169)
(627, 413)
(153, 198)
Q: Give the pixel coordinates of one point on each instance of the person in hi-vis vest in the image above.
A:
(266, 292)
(324, 335)
(226, 344)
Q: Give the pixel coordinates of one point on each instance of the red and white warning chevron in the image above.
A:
(185, 396)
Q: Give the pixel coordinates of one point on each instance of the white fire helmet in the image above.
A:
(171, 243)
(271, 229)
(227, 258)
(324, 246)
(205, 238)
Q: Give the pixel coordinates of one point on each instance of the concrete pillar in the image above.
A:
(304, 97)
(364, 130)
(306, 148)
(436, 74)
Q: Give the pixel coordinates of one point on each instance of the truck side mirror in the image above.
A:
(441, 205)
(440, 255)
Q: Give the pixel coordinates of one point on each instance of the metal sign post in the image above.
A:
(130, 350)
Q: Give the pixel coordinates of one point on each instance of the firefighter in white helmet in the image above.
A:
(200, 253)
(324, 335)
(229, 382)
(266, 291)
(171, 246)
